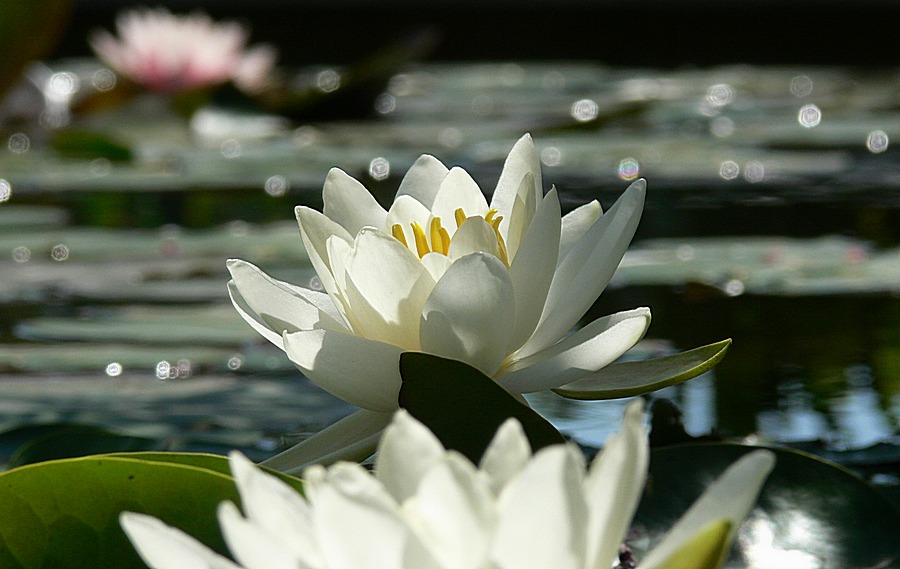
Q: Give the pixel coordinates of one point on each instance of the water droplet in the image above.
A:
(235, 362)
(801, 86)
(809, 116)
(551, 156)
(19, 143)
(277, 186)
(721, 127)
(729, 170)
(21, 254)
(5, 190)
(628, 169)
(379, 168)
(231, 148)
(720, 95)
(114, 369)
(385, 104)
(328, 81)
(877, 141)
(754, 171)
(584, 110)
(59, 252)
(734, 287)
(103, 80)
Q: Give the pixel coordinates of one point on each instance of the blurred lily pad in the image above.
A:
(88, 145)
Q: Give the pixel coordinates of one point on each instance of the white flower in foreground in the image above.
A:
(427, 508)
(497, 286)
(164, 52)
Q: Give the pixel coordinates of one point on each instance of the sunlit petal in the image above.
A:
(423, 180)
(575, 224)
(164, 547)
(406, 452)
(522, 159)
(458, 190)
(252, 545)
(315, 229)
(506, 455)
(474, 236)
(349, 203)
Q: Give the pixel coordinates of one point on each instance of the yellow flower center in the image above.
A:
(437, 238)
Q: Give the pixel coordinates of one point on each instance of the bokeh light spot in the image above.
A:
(59, 252)
(277, 186)
(19, 143)
(379, 168)
(231, 148)
(877, 141)
(720, 95)
(628, 169)
(809, 116)
(754, 171)
(729, 170)
(5, 190)
(21, 254)
(801, 86)
(385, 104)
(551, 156)
(328, 81)
(103, 80)
(584, 110)
(114, 369)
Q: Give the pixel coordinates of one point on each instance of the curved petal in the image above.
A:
(370, 379)
(458, 190)
(475, 235)
(404, 211)
(586, 270)
(614, 486)
(252, 318)
(522, 159)
(348, 203)
(575, 224)
(277, 305)
(352, 438)
(423, 179)
(252, 545)
(532, 268)
(436, 264)
(520, 218)
(315, 229)
(406, 452)
(163, 547)
(470, 313)
(730, 497)
(596, 345)
(386, 289)
(506, 455)
(543, 514)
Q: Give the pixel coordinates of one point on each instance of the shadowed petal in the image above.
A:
(406, 451)
(575, 224)
(252, 545)
(164, 547)
(522, 159)
(506, 455)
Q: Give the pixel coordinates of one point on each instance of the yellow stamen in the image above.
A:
(490, 215)
(495, 223)
(421, 242)
(445, 240)
(397, 232)
(504, 255)
(460, 216)
(437, 240)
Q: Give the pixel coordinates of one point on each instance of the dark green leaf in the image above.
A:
(77, 143)
(810, 512)
(628, 379)
(464, 407)
(70, 441)
(64, 514)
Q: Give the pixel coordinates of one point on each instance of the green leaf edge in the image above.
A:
(624, 379)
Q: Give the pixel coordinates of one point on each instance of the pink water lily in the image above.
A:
(496, 285)
(168, 53)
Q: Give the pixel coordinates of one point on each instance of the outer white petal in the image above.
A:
(543, 514)
(586, 270)
(276, 508)
(406, 452)
(253, 545)
(352, 438)
(315, 229)
(596, 345)
(278, 306)
(164, 547)
(458, 190)
(521, 215)
(470, 312)
(575, 224)
(423, 179)
(349, 203)
(532, 268)
(386, 289)
(370, 379)
(614, 486)
(506, 455)
(523, 159)
(730, 497)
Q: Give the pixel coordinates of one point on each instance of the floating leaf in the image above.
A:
(78, 143)
(464, 407)
(70, 441)
(810, 513)
(634, 378)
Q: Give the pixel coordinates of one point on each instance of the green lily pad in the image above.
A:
(628, 379)
(464, 407)
(85, 144)
(70, 441)
(810, 513)
(64, 514)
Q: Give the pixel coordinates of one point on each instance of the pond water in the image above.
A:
(771, 218)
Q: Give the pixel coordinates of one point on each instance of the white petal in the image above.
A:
(275, 508)
(586, 270)
(423, 180)
(386, 289)
(251, 544)
(532, 268)
(474, 236)
(730, 497)
(436, 264)
(164, 547)
(370, 379)
(523, 159)
(458, 190)
(575, 224)
(470, 313)
(404, 211)
(506, 455)
(315, 229)
(406, 451)
(522, 213)
(349, 203)
(543, 514)
(614, 486)
(596, 345)
(352, 438)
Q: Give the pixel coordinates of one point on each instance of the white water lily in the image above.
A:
(427, 508)
(166, 52)
(497, 286)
